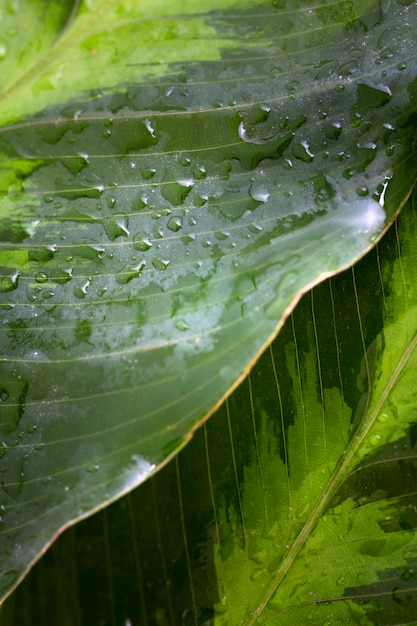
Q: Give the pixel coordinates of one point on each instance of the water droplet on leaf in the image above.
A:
(160, 264)
(175, 224)
(301, 150)
(259, 192)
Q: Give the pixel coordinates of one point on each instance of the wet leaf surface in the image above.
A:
(294, 504)
(170, 184)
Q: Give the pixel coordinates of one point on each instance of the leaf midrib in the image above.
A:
(333, 484)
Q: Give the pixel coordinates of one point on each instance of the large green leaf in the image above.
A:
(297, 502)
(170, 184)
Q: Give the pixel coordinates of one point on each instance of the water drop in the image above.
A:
(111, 201)
(93, 468)
(150, 128)
(333, 130)
(9, 282)
(80, 291)
(254, 136)
(375, 440)
(41, 277)
(275, 71)
(372, 96)
(182, 325)
(199, 172)
(3, 50)
(4, 395)
(142, 242)
(259, 192)
(116, 227)
(362, 191)
(301, 150)
(39, 446)
(175, 224)
(148, 173)
(292, 85)
(129, 274)
(160, 264)
(176, 191)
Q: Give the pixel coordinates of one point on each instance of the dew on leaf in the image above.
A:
(199, 172)
(111, 201)
(128, 274)
(41, 277)
(333, 130)
(251, 136)
(158, 233)
(292, 85)
(116, 227)
(301, 150)
(141, 241)
(383, 417)
(175, 224)
(80, 291)
(362, 191)
(148, 173)
(150, 128)
(375, 440)
(9, 282)
(160, 264)
(182, 325)
(91, 469)
(371, 96)
(176, 191)
(259, 192)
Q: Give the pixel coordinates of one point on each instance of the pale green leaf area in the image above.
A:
(295, 504)
(172, 178)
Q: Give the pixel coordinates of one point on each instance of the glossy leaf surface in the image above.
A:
(295, 504)
(170, 183)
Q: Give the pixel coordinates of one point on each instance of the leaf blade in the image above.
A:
(135, 307)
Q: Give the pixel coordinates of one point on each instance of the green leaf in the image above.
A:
(296, 502)
(172, 178)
